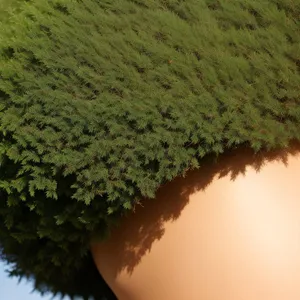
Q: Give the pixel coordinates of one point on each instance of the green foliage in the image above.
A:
(103, 101)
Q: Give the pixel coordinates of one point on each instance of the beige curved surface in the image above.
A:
(230, 231)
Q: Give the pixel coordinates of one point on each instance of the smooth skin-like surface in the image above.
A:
(230, 230)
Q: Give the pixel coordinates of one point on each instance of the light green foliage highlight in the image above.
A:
(101, 102)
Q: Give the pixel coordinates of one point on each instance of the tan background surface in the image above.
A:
(229, 231)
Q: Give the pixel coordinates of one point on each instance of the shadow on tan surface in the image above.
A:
(137, 232)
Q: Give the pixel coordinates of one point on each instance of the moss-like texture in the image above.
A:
(103, 101)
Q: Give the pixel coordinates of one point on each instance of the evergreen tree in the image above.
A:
(101, 102)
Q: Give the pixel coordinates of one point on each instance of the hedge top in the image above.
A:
(101, 102)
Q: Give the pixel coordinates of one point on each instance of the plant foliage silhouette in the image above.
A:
(102, 102)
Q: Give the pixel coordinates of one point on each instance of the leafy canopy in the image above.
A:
(103, 101)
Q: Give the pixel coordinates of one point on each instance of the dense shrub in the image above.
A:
(102, 101)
